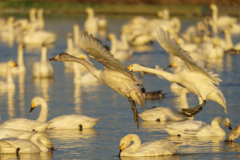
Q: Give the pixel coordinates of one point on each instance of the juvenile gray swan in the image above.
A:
(114, 74)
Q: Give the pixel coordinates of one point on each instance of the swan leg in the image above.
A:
(135, 112)
(194, 111)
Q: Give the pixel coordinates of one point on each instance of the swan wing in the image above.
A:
(7, 147)
(170, 45)
(96, 51)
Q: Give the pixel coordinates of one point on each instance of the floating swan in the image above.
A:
(36, 144)
(194, 76)
(152, 148)
(118, 53)
(198, 128)
(165, 113)
(72, 122)
(10, 83)
(43, 69)
(20, 61)
(114, 74)
(234, 134)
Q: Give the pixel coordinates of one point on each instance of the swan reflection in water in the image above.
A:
(43, 85)
(77, 98)
(35, 156)
(70, 138)
(203, 144)
(21, 86)
(155, 125)
(166, 157)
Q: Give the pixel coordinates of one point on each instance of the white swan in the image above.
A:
(165, 113)
(39, 101)
(9, 84)
(119, 54)
(20, 61)
(40, 19)
(152, 148)
(72, 122)
(198, 128)
(221, 21)
(114, 73)
(234, 134)
(36, 144)
(164, 14)
(43, 69)
(229, 44)
(194, 76)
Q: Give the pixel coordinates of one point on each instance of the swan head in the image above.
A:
(89, 10)
(213, 7)
(11, 64)
(111, 36)
(134, 68)
(62, 57)
(226, 123)
(36, 101)
(125, 142)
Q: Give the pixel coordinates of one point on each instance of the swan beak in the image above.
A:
(229, 126)
(171, 65)
(54, 58)
(129, 68)
(121, 149)
(52, 149)
(223, 31)
(32, 107)
(14, 64)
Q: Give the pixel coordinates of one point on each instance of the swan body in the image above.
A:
(114, 73)
(72, 122)
(234, 133)
(9, 84)
(152, 148)
(165, 113)
(193, 76)
(36, 144)
(43, 69)
(198, 128)
(20, 61)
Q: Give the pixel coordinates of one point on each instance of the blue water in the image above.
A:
(102, 142)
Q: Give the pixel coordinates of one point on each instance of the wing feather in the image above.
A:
(170, 45)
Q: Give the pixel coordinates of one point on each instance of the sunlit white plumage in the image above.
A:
(37, 143)
(193, 76)
(198, 128)
(72, 122)
(151, 148)
(39, 101)
(114, 73)
(43, 69)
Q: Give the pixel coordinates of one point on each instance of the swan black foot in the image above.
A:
(135, 112)
(192, 112)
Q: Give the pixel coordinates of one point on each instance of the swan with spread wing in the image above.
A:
(114, 73)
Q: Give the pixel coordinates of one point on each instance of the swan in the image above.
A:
(39, 101)
(117, 53)
(193, 76)
(114, 73)
(229, 45)
(165, 113)
(92, 22)
(9, 84)
(221, 21)
(36, 144)
(43, 69)
(198, 128)
(40, 19)
(72, 122)
(234, 134)
(20, 61)
(151, 148)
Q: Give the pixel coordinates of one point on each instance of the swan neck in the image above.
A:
(90, 15)
(44, 112)
(20, 57)
(124, 40)
(136, 143)
(228, 40)
(36, 140)
(76, 35)
(215, 122)
(44, 54)
(113, 46)
(32, 16)
(70, 43)
(215, 14)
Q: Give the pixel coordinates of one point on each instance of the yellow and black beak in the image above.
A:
(229, 126)
(52, 149)
(129, 68)
(32, 107)
(121, 149)
(54, 58)
(171, 65)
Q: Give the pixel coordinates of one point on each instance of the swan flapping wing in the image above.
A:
(96, 51)
(171, 46)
